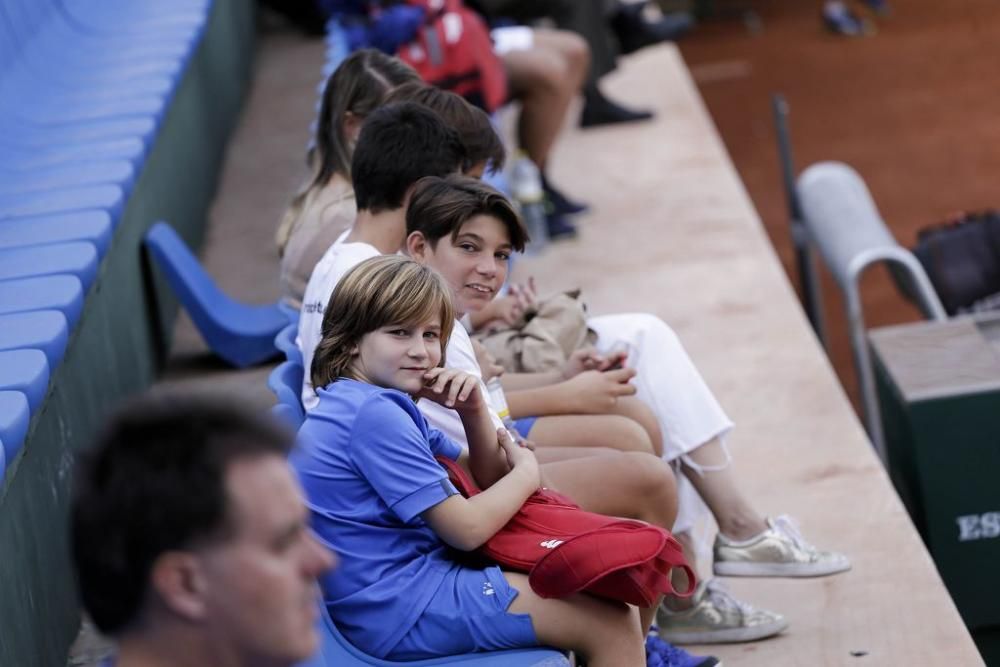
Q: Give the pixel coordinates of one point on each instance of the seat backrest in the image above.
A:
(285, 341)
(286, 375)
(182, 269)
(14, 417)
(841, 216)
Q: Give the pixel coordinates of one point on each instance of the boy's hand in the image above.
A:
(598, 392)
(453, 389)
(487, 363)
(519, 458)
(584, 359)
(526, 294)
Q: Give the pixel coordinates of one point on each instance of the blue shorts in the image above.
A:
(468, 613)
(524, 425)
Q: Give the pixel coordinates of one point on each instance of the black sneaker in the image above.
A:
(560, 204)
(560, 227)
(599, 110)
(839, 19)
(635, 30)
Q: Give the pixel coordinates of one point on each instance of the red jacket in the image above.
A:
(566, 549)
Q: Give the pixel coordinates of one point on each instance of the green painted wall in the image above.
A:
(119, 344)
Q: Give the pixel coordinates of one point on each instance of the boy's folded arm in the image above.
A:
(467, 523)
(521, 381)
(486, 460)
(553, 399)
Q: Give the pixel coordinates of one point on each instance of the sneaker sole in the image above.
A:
(739, 569)
(726, 636)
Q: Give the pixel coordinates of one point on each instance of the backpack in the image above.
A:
(453, 50)
(565, 549)
(962, 260)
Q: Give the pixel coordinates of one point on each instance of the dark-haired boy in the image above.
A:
(398, 145)
(190, 539)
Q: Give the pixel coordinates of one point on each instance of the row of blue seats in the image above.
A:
(84, 87)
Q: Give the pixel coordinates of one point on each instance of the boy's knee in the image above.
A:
(631, 436)
(577, 51)
(655, 482)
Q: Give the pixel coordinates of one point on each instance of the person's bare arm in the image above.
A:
(461, 392)
(466, 523)
(590, 392)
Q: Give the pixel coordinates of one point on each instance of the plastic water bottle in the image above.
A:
(498, 401)
(526, 187)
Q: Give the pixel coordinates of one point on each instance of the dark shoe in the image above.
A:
(636, 31)
(599, 110)
(558, 203)
(840, 20)
(879, 7)
(559, 227)
(663, 654)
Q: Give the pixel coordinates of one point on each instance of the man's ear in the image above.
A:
(179, 581)
(417, 247)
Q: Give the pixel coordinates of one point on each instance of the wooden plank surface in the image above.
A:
(673, 232)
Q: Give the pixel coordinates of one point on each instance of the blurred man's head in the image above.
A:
(187, 523)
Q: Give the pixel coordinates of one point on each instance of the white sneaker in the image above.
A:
(779, 551)
(716, 618)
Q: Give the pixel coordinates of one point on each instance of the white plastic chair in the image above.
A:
(844, 225)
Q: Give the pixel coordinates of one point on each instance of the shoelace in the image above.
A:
(790, 528)
(720, 597)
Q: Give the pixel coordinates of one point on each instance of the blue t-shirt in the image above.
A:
(365, 457)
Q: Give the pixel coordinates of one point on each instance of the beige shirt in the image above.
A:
(327, 213)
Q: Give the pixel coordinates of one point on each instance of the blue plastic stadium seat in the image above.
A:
(25, 371)
(242, 335)
(115, 172)
(108, 198)
(44, 330)
(14, 417)
(336, 651)
(62, 293)
(287, 415)
(284, 341)
(291, 313)
(285, 381)
(20, 131)
(77, 258)
(131, 149)
(92, 226)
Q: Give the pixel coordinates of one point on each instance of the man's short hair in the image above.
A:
(440, 206)
(155, 481)
(479, 137)
(398, 145)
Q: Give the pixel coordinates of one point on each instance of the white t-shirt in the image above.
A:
(462, 356)
(336, 261)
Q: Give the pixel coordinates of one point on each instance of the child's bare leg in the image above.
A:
(553, 454)
(630, 485)
(639, 412)
(720, 490)
(605, 634)
(543, 79)
(611, 431)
